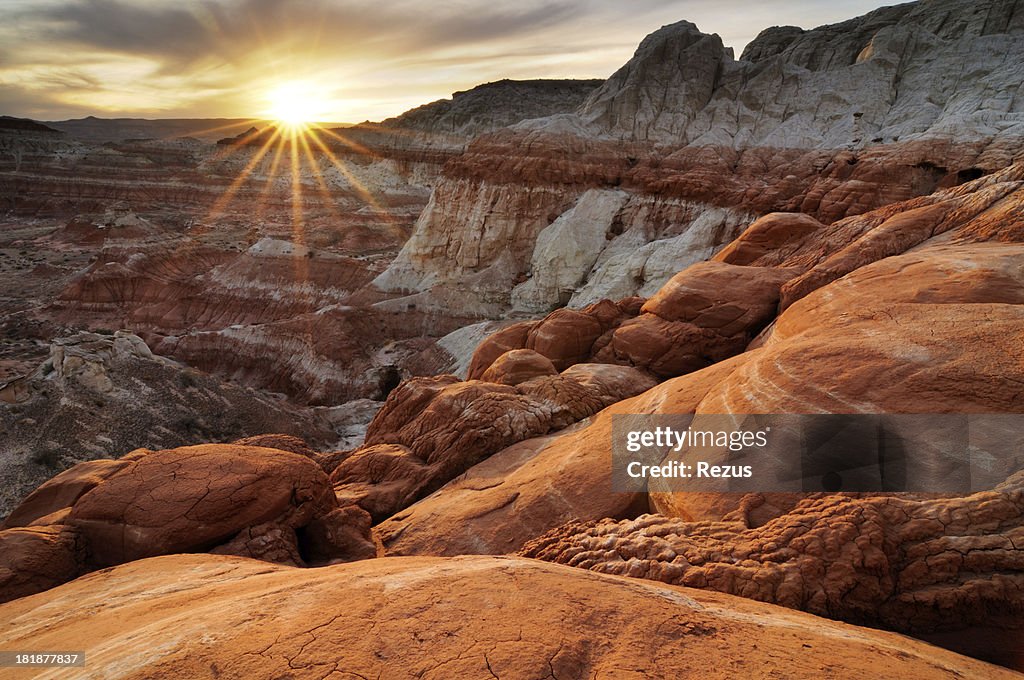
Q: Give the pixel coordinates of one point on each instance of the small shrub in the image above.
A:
(189, 424)
(47, 457)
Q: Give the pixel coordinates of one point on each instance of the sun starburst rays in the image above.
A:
(353, 181)
(299, 160)
(229, 194)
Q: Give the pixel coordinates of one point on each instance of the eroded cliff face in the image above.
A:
(944, 69)
(685, 141)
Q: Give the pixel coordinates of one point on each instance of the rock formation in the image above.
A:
(920, 332)
(97, 130)
(441, 618)
(705, 313)
(11, 124)
(861, 81)
(248, 500)
(450, 123)
(37, 558)
(158, 235)
(431, 430)
(216, 266)
(517, 366)
(713, 310)
(565, 336)
(533, 486)
(907, 565)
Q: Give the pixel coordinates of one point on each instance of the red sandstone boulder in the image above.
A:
(704, 314)
(242, 500)
(405, 401)
(33, 559)
(726, 298)
(509, 338)
(269, 542)
(281, 442)
(517, 366)
(619, 382)
(380, 478)
(60, 493)
(195, 497)
(342, 535)
(566, 337)
(668, 348)
(771, 233)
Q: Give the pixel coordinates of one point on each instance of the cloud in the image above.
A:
(184, 33)
(121, 27)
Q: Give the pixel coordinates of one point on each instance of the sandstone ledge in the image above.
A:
(440, 618)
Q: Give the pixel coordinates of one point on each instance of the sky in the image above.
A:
(335, 60)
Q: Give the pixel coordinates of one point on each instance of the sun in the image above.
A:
(296, 104)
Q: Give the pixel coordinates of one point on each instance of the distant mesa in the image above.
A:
(493, 105)
(251, 136)
(101, 130)
(450, 123)
(25, 125)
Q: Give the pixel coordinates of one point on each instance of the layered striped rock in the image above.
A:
(664, 164)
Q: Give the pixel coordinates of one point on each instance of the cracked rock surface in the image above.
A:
(248, 500)
(33, 559)
(465, 617)
(194, 498)
(912, 565)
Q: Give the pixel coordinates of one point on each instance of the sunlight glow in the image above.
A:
(296, 104)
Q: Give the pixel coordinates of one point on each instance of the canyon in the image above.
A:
(264, 394)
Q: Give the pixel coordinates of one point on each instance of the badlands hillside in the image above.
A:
(400, 369)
